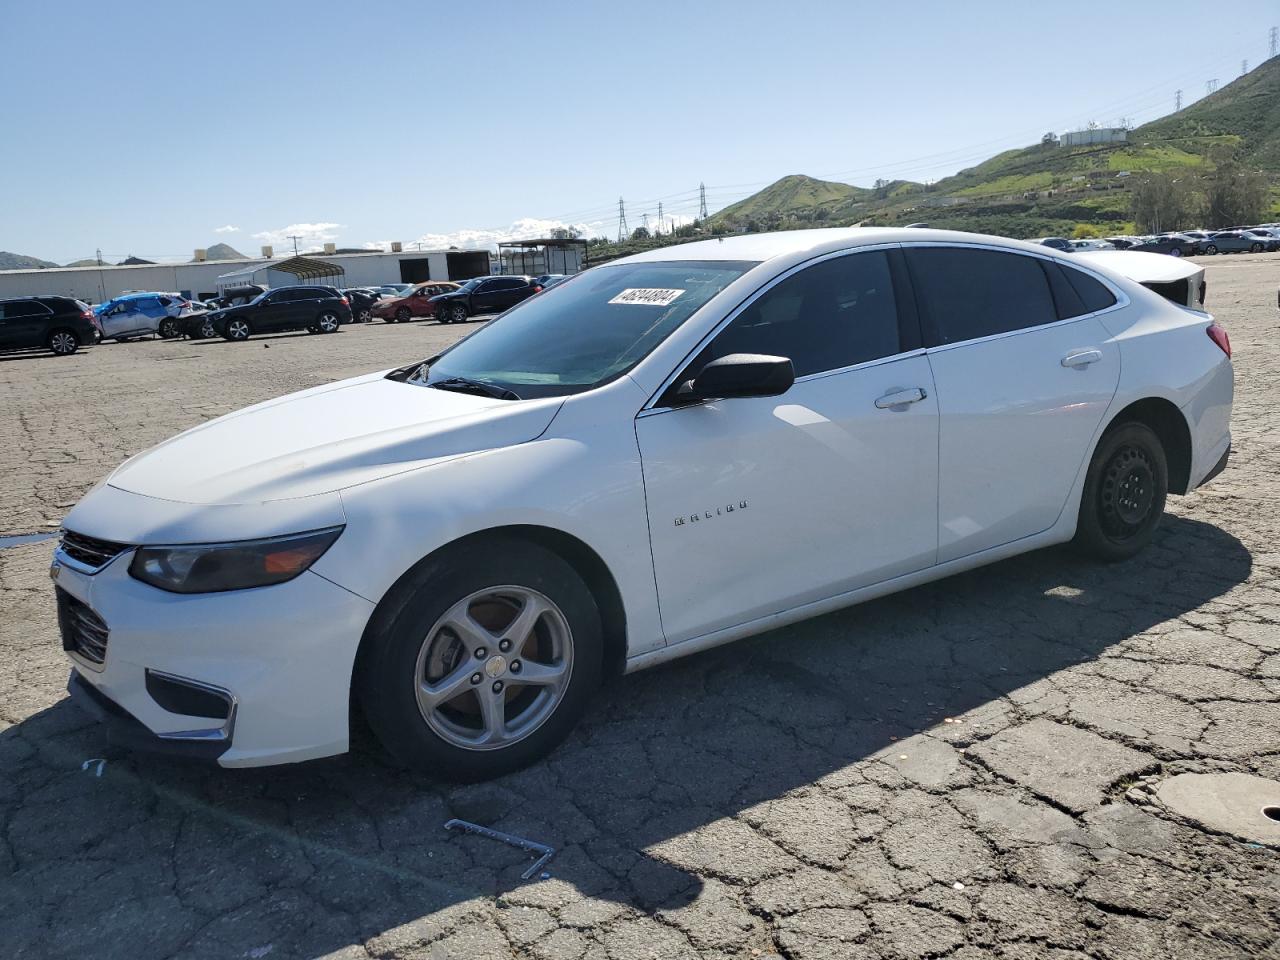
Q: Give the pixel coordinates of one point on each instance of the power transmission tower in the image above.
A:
(1275, 40)
(702, 187)
(660, 220)
(622, 221)
(1244, 67)
(1210, 86)
(1177, 100)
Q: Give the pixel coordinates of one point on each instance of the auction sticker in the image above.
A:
(647, 296)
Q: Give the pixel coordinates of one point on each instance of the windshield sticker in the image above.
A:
(647, 296)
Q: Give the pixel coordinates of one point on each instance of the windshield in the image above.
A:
(587, 330)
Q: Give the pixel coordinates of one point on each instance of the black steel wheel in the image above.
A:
(1124, 493)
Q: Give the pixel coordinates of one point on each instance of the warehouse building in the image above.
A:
(201, 279)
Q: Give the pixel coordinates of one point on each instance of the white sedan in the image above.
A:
(654, 457)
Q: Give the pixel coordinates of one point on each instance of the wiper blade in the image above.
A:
(467, 385)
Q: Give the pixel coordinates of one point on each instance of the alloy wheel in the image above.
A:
(238, 329)
(328, 322)
(494, 667)
(207, 331)
(63, 343)
(458, 314)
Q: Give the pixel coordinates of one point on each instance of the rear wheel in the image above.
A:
(328, 322)
(1124, 493)
(63, 342)
(1255, 248)
(482, 660)
(1211, 249)
(1175, 252)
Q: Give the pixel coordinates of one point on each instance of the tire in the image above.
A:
(1255, 248)
(63, 342)
(207, 331)
(407, 646)
(1211, 249)
(403, 315)
(168, 328)
(237, 329)
(1124, 493)
(365, 315)
(1175, 252)
(328, 322)
(457, 313)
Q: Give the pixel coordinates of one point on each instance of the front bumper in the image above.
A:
(284, 654)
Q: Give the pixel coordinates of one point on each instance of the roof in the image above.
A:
(545, 242)
(767, 246)
(304, 268)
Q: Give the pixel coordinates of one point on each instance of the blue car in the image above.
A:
(141, 314)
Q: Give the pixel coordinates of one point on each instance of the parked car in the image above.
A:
(362, 301)
(1270, 238)
(1057, 243)
(1123, 243)
(61, 324)
(550, 279)
(466, 545)
(1233, 241)
(1079, 245)
(394, 289)
(316, 309)
(143, 314)
(483, 295)
(413, 305)
(1176, 245)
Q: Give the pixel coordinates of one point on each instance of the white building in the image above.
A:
(1081, 138)
(200, 280)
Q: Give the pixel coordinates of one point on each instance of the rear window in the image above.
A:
(965, 294)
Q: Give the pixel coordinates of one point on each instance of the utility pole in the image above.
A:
(1275, 40)
(102, 283)
(702, 187)
(1210, 86)
(660, 220)
(622, 221)
(295, 240)
(1177, 100)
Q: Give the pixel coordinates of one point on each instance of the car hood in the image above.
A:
(326, 439)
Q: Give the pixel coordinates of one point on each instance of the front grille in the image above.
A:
(90, 551)
(83, 631)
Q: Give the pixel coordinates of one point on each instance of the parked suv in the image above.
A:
(417, 303)
(313, 309)
(483, 295)
(59, 323)
(142, 314)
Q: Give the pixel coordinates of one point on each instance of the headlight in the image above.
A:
(215, 567)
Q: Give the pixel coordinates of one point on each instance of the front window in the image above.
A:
(581, 334)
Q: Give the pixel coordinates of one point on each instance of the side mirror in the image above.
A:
(742, 375)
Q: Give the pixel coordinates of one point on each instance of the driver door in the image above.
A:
(760, 505)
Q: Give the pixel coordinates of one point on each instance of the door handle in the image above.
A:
(1081, 358)
(900, 398)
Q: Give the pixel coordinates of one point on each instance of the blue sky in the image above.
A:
(142, 128)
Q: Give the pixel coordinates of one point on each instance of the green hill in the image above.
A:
(794, 194)
(19, 261)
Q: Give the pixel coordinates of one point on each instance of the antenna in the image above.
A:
(1210, 86)
(622, 221)
(702, 187)
(1177, 100)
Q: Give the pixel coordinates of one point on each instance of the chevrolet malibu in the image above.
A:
(659, 455)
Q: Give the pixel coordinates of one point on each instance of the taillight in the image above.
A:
(345, 302)
(1219, 336)
(536, 288)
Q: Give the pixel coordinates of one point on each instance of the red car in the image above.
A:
(415, 304)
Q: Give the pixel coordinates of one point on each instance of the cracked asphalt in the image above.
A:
(965, 770)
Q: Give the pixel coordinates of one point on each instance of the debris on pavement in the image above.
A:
(530, 846)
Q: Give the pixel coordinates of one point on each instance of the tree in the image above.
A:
(564, 233)
(1234, 195)
(640, 233)
(1161, 202)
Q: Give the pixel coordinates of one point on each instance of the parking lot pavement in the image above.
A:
(966, 770)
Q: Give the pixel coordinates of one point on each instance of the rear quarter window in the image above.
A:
(966, 293)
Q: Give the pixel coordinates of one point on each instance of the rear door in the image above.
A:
(274, 311)
(1025, 371)
(760, 505)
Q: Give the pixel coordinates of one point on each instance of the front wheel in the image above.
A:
(1175, 252)
(1124, 493)
(457, 313)
(481, 660)
(365, 315)
(238, 330)
(403, 315)
(207, 331)
(1255, 248)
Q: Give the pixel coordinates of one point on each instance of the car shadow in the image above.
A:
(343, 850)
